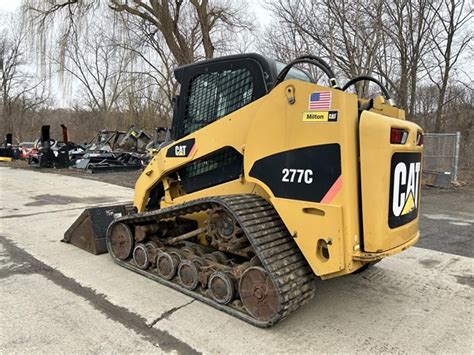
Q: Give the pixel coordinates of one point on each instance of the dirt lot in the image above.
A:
(447, 215)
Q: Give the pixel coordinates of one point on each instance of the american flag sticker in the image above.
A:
(320, 100)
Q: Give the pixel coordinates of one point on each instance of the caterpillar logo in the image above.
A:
(404, 188)
(182, 149)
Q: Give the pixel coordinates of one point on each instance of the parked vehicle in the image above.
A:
(27, 149)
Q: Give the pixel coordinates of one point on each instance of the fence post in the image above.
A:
(456, 156)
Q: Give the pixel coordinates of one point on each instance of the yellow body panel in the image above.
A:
(282, 121)
(375, 156)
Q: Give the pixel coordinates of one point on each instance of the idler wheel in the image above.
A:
(166, 265)
(221, 287)
(140, 256)
(225, 226)
(258, 294)
(120, 241)
(188, 274)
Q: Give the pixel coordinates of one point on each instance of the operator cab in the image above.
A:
(211, 89)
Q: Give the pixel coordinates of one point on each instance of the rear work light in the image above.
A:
(419, 138)
(398, 136)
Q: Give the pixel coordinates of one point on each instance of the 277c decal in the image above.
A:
(307, 174)
(404, 188)
(297, 175)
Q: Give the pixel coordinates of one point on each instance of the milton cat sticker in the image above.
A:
(404, 188)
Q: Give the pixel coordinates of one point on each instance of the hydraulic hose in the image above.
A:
(309, 59)
(320, 60)
(369, 78)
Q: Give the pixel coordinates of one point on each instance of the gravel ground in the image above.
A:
(447, 215)
(125, 178)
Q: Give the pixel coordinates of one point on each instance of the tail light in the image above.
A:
(419, 138)
(398, 136)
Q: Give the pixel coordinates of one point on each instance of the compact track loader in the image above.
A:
(269, 181)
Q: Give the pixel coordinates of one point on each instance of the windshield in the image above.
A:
(293, 73)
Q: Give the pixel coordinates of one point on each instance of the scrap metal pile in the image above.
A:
(51, 153)
(115, 151)
(108, 151)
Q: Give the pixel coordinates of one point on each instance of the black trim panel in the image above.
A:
(311, 172)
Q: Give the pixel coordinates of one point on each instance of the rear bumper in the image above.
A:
(362, 256)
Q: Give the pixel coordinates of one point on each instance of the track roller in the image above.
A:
(166, 265)
(187, 252)
(140, 256)
(210, 258)
(199, 262)
(221, 287)
(151, 245)
(220, 256)
(188, 274)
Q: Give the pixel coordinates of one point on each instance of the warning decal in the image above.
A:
(404, 188)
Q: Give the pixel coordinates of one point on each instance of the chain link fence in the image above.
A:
(441, 153)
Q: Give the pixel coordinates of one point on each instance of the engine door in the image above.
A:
(390, 182)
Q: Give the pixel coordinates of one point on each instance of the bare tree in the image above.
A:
(158, 35)
(403, 47)
(153, 61)
(21, 91)
(449, 43)
(98, 66)
(342, 32)
(188, 27)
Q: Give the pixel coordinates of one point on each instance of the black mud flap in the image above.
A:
(89, 229)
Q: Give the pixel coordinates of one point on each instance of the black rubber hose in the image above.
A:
(320, 60)
(300, 60)
(368, 78)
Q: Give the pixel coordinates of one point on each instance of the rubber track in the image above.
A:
(276, 249)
